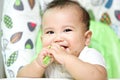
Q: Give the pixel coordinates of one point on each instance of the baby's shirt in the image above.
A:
(89, 55)
(92, 56)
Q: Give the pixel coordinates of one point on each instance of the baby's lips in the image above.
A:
(68, 50)
(64, 47)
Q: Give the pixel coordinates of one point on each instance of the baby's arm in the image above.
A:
(31, 70)
(36, 68)
(84, 71)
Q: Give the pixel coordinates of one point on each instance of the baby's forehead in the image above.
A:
(69, 8)
(74, 9)
(75, 14)
(65, 10)
(65, 7)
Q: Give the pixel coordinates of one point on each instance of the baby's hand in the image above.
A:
(59, 53)
(45, 58)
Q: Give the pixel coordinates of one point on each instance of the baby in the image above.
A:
(65, 39)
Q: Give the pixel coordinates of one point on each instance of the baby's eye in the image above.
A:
(49, 32)
(67, 30)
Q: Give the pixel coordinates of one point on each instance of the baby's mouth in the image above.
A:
(64, 47)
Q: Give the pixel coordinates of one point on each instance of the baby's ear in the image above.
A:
(88, 35)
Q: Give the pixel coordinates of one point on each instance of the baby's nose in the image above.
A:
(58, 39)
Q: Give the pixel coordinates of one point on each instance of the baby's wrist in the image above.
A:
(38, 63)
(64, 61)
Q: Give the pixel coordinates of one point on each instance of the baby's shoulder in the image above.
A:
(89, 51)
(93, 56)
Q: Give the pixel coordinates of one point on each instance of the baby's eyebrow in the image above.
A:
(47, 28)
(68, 26)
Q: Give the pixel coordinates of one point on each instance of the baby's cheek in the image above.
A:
(45, 43)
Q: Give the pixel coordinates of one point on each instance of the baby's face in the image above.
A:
(63, 27)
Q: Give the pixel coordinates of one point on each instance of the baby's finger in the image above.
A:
(55, 47)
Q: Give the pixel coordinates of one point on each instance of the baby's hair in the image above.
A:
(64, 3)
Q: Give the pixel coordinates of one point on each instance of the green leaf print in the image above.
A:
(8, 21)
(12, 58)
(17, 2)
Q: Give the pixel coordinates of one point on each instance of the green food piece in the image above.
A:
(46, 60)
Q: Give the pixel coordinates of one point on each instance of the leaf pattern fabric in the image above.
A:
(19, 27)
(8, 21)
(18, 5)
(12, 58)
(105, 11)
(16, 37)
(29, 44)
